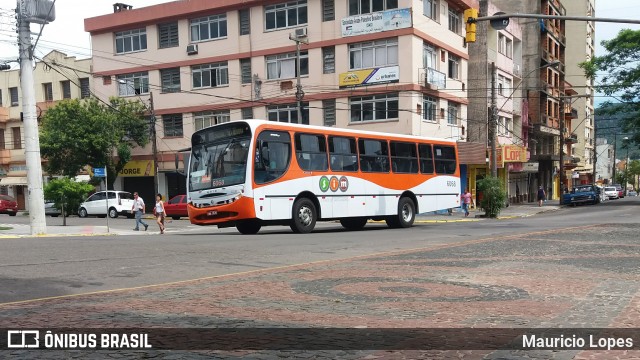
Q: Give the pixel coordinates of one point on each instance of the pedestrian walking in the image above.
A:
(467, 200)
(138, 210)
(541, 195)
(158, 211)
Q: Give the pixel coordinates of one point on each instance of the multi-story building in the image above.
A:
(382, 65)
(499, 51)
(605, 161)
(54, 81)
(543, 55)
(580, 48)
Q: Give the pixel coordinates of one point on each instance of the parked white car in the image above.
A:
(611, 192)
(119, 203)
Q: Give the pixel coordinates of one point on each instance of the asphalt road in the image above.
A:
(32, 268)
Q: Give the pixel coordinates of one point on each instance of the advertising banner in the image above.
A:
(364, 77)
(376, 22)
(138, 168)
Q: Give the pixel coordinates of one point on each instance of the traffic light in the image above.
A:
(470, 16)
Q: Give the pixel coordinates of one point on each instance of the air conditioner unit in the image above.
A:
(192, 49)
(301, 32)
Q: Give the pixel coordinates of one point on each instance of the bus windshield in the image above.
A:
(220, 162)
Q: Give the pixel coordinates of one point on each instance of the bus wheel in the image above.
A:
(354, 223)
(304, 216)
(406, 214)
(248, 227)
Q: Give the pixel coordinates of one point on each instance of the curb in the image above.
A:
(18, 236)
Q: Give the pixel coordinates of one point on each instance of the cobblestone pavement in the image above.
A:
(574, 278)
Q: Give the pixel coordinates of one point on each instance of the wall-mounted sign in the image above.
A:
(138, 168)
(382, 75)
(376, 22)
(531, 167)
(514, 153)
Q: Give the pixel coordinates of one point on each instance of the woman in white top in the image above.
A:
(159, 213)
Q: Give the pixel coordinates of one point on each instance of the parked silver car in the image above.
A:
(50, 209)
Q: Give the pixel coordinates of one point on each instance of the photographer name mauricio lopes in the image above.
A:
(576, 342)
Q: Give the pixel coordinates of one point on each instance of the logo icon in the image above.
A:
(344, 184)
(324, 184)
(334, 183)
(22, 339)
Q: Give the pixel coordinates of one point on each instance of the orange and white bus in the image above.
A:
(253, 173)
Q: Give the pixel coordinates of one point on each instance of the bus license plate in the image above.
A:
(212, 213)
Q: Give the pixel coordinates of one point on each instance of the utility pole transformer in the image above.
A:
(39, 12)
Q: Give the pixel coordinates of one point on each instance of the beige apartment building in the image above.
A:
(581, 47)
(383, 65)
(56, 77)
(500, 51)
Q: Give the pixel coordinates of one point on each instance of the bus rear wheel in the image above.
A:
(353, 223)
(406, 214)
(304, 216)
(248, 227)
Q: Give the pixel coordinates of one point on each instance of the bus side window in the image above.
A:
(426, 158)
(274, 156)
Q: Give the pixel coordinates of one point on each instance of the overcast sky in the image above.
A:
(67, 34)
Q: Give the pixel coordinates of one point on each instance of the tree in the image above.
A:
(622, 79)
(79, 133)
(66, 194)
(493, 196)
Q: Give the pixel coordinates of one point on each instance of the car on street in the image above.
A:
(582, 194)
(50, 209)
(8, 205)
(611, 192)
(176, 207)
(619, 189)
(632, 193)
(118, 203)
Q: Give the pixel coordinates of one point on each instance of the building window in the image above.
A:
(283, 66)
(311, 152)
(17, 139)
(288, 113)
(505, 46)
(329, 60)
(285, 15)
(245, 21)
(430, 9)
(208, 28)
(509, 48)
(374, 108)
(429, 57)
(13, 93)
(131, 41)
(170, 79)
(328, 10)
(208, 118)
(172, 125)
(2, 142)
(453, 110)
(504, 85)
(429, 108)
(454, 21)
(373, 53)
(247, 113)
(210, 75)
(133, 84)
(168, 35)
(66, 89)
(454, 66)
(47, 89)
(329, 112)
(245, 70)
(357, 7)
(85, 92)
(0, 97)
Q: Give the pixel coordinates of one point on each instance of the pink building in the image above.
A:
(382, 65)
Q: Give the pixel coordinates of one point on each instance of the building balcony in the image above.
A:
(5, 157)
(517, 70)
(435, 79)
(571, 139)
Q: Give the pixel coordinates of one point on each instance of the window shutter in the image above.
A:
(245, 70)
(245, 22)
(329, 61)
(328, 10)
(168, 35)
(329, 110)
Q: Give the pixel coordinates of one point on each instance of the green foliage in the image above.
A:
(621, 65)
(494, 196)
(66, 192)
(79, 133)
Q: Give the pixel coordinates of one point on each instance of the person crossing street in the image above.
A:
(138, 209)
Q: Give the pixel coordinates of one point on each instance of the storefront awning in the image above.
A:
(13, 180)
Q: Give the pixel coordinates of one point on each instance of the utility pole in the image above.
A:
(595, 153)
(27, 13)
(561, 167)
(615, 145)
(493, 123)
(154, 145)
(299, 36)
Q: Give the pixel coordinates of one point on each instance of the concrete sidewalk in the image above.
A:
(511, 212)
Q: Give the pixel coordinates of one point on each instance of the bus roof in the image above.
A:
(254, 123)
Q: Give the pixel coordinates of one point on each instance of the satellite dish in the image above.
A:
(499, 24)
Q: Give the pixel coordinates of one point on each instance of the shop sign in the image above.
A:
(135, 168)
(376, 22)
(364, 77)
(531, 167)
(514, 153)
